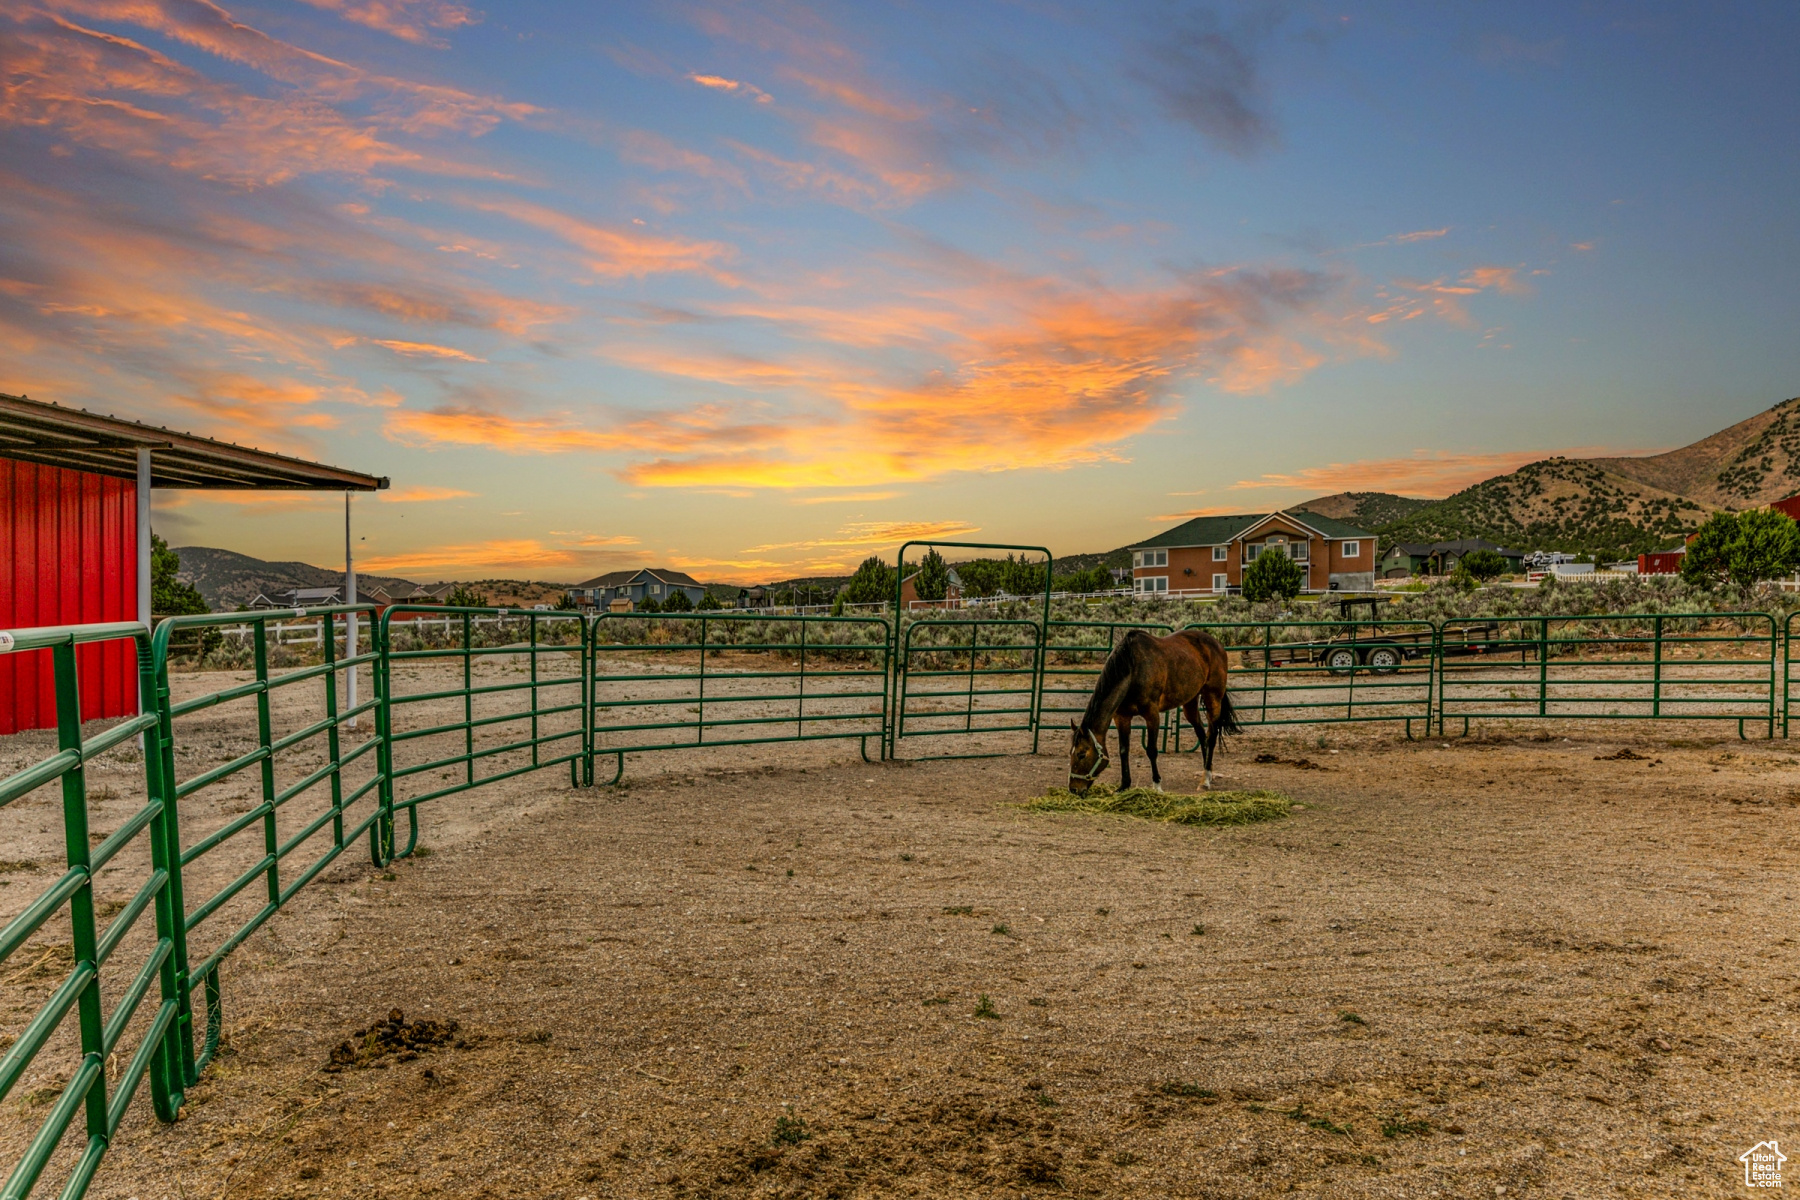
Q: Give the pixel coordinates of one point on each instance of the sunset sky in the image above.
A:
(757, 289)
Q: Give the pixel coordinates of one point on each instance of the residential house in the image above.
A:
(1210, 554)
(314, 597)
(1404, 559)
(623, 591)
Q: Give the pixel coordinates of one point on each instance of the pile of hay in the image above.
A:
(1214, 808)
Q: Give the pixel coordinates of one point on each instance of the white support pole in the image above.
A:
(143, 549)
(349, 598)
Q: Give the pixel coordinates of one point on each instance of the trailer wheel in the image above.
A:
(1384, 660)
(1341, 661)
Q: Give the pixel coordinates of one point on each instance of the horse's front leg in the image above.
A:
(1123, 721)
(1153, 725)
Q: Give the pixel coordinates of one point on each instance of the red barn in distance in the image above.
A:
(75, 536)
(1668, 562)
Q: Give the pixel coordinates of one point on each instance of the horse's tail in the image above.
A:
(1227, 722)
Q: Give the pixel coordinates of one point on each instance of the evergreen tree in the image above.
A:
(933, 579)
(1272, 575)
(873, 583)
(678, 602)
(171, 596)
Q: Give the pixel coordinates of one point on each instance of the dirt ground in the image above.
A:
(1493, 966)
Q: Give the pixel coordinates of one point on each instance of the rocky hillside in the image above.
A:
(1564, 504)
(1752, 463)
(1365, 510)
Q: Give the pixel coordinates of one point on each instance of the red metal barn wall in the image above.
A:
(68, 555)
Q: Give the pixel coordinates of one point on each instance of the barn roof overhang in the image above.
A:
(77, 440)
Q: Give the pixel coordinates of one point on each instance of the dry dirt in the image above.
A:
(1481, 967)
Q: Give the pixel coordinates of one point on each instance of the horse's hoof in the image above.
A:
(1155, 785)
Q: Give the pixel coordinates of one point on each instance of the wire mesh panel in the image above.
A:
(475, 695)
(90, 956)
(1312, 672)
(662, 681)
(972, 679)
(1689, 667)
(271, 777)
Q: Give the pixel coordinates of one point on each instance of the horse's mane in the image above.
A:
(1115, 677)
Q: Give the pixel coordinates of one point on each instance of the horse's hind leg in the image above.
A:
(1213, 708)
(1124, 724)
(1192, 710)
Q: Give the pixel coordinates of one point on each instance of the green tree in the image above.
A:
(1704, 563)
(873, 583)
(678, 601)
(1484, 565)
(464, 596)
(982, 576)
(837, 602)
(709, 603)
(1767, 546)
(567, 602)
(649, 604)
(1272, 575)
(1022, 578)
(171, 596)
(933, 581)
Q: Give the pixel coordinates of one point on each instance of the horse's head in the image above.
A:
(1087, 758)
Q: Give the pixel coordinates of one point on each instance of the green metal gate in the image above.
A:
(663, 682)
(84, 1047)
(1689, 666)
(471, 696)
(1329, 672)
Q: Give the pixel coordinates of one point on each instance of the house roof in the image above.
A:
(1203, 531)
(610, 579)
(1216, 531)
(621, 578)
(1461, 546)
(78, 440)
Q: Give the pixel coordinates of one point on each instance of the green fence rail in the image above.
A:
(660, 682)
(1317, 672)
(72, 1026)
(471, 696)
(254, 788)
(1687, 667)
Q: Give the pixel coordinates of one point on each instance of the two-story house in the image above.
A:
(627, 590)
(1210, 554)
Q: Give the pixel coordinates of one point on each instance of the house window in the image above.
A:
(1251, 551)
(1298, 551)
(656, 589)
(1221, 583)
(1153, 583)
(1352, 549)
(1220, 553)
(1150, 558)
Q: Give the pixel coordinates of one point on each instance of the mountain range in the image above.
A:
(1610, 508)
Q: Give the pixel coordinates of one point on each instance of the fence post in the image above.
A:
(1543, 665)
(381, 833)
(167, 1081)
(1656, 628)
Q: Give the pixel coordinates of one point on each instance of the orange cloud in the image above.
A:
(408, 20)
(473, 427)
(721, 84)
(614, 253)
(849, 498)
(421, 494)
(504, 552)
(879, 533)
(1190, 513)
(1431, 473)
(424, 350)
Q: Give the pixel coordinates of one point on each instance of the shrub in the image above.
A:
(1742, 548)
(567, 602)
(678, 601)
(464, 596)
(709, 603)
(1272, 576)
(649, 605)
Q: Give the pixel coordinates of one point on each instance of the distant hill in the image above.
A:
(227, 579)
(1365, 510)
(1754, 462)
(1565, 504)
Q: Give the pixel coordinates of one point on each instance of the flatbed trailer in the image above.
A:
(1373, 648)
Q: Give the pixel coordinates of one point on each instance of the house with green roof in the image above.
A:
(1208, 555)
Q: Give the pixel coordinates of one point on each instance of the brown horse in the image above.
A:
(1144, 677)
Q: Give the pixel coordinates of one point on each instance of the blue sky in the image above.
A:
(758, 289)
